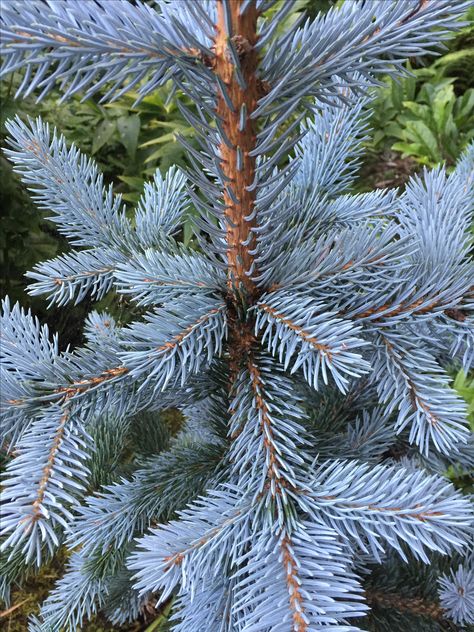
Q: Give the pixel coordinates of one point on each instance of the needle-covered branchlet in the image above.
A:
(302, 335)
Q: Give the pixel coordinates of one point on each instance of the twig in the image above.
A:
(5, 613)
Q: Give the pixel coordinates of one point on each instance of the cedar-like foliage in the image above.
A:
(304, 341)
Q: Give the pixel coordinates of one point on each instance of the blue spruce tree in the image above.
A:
(304, 341)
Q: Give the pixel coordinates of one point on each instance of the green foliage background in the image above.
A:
(422, 119)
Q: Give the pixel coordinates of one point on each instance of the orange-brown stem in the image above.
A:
(37, 511)
(292, 580)
(236, 163)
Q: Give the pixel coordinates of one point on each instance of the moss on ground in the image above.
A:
(26, 600)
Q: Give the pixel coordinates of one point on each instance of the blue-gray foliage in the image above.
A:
(457, 594)
(319, 420)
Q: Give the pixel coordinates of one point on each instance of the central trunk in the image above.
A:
(234, 111)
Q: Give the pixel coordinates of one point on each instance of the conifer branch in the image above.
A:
(82, 386)
(273, 481)
(367, 503)
(456, 593)
(91, 44)
(160, 348)
(299, 331)
(295, 278)
(436, 416)
(274, 473)
(236, 63)
(290, 565)
(37, 512)
(304, 333)
(192, 541)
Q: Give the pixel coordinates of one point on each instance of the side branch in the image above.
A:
(37, 511)
(81, 386)
(293, 583)
(416, 399)
(118, 48)
(179, 338)
(420, 306)
(274, 481)
(299, 331)
(434, 414)
(43, 481)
